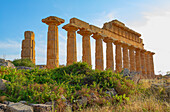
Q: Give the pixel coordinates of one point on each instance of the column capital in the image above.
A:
(117, 42)
(52, 20)
(98, 35)
(125, 45)
(143, 50)
(147, 52)
(70, 27)
(85, 32)
(138, 49)
(107, 40)
(132, 47)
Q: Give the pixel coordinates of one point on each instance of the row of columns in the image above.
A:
(134, 59)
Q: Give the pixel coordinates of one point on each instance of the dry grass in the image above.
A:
(138, 103)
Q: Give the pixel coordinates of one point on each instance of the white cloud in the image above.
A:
(9, 44)
(156, 38)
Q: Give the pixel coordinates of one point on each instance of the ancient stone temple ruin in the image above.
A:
(130, 53)
(129, 48)
(28, 46)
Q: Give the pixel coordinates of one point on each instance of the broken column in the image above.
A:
(86, 45)
(52, 41)
(118, 56)
(71, 43)
(28, 46)
(109, 54)
(99, 51)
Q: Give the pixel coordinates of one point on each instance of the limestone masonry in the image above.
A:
(28, 46)
(129, 54)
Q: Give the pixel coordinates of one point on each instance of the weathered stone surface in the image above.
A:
(138, 60)
(7, 64)
(3, 107)
(19, 107)
(28, 46)
(2, 84)
(109, 54)
(132, 58)
(8, 102)
(118, 56)
(52, 42)
(71, 44)
(41, 107)
(125, 56)
(99, 52)
(86, 45)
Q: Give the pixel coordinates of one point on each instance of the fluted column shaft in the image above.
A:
(71, 47)
(143, 65)
(52, 47)
(152, 64)
(125, 57)
(132, 58)
(138, 60)
(99, 52)
(118, 57)
(109, 54)
(86, 46)
(148, 64)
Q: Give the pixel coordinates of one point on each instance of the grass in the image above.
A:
(75, 82)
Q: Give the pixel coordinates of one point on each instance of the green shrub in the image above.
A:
(73, 82)
(23, 62)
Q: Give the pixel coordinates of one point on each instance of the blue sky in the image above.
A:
(145, 16)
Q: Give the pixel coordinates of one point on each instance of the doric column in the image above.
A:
(28, 46)
(118, 56)
(71, 43)
(53, 42)
(99, 51)
(109, 54)
(152, 64)
(125, 56)
(148, 64)
(132, 58)
(86, 45)
(138, 60)
(143, 65)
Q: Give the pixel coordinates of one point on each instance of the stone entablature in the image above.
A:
(114, 29)
(28, 46)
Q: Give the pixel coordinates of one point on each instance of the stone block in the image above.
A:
(19, 107)
(53, 20)
(95, 29)
(79, 23)
(41, 107)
